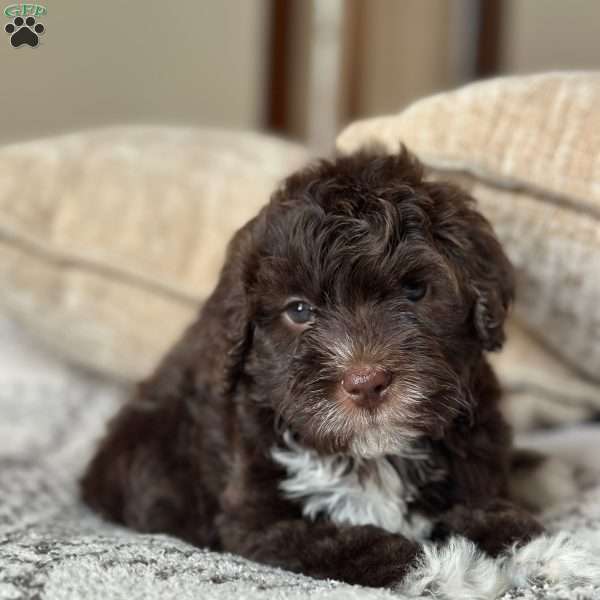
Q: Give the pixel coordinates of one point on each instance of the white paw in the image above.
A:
(456, 570)
(459, 570)
(566, 558)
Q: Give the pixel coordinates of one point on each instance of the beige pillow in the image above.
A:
(109, 239)
(528, 148)
(540, 390)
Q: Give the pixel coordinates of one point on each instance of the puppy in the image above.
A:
(332, 406)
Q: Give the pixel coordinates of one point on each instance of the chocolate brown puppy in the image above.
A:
(332, 406)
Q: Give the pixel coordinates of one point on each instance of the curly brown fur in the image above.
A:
(192, 453)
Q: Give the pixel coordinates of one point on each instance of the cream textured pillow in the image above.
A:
(528, 148)
(540, 390)
(109, 239)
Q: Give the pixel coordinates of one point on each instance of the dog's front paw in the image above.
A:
(494, 528)
(374, 558)
(456, 568)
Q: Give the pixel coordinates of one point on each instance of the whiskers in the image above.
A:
(423, 400)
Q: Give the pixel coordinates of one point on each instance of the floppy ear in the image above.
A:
(494, 285)
(476, 250)
(231, 305)
(211, 351)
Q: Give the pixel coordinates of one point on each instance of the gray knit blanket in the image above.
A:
(52, 547)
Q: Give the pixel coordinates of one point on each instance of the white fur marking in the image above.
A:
(459, 570)
(375, 443)
(349, 490)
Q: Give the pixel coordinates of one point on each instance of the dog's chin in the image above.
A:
(367, 442)
(377, 441)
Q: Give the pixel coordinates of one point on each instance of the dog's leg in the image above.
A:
(362, 555)
(494, 527)
(142, 475)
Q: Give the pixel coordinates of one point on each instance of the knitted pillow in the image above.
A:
(110, 239)
(528, 148)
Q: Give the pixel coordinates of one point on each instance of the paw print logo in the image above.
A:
(24, 31)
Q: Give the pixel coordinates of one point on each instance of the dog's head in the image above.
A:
(360, 300)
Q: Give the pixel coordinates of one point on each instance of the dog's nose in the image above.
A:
(366, 385)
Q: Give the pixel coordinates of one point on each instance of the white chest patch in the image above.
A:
(349, 490)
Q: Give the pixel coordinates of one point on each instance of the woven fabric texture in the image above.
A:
(110, 239)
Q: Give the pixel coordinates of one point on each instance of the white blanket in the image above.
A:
(53, 547)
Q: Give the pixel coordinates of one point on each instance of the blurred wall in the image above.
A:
(111, 61)
(208, 61)
(550, 34)
(360, 58)
(403, 53)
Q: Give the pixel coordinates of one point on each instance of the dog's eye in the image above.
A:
(300, 312)
(415, 290)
